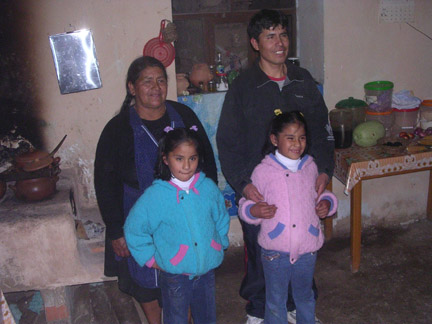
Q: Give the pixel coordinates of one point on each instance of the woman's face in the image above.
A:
(150, 90)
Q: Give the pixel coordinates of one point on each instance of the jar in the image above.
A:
(405, 119)
(341, 123)
(358, 108)
(378, 96)
(426, 114)
(386, 118)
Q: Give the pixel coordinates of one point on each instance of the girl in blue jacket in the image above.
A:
(180, 225)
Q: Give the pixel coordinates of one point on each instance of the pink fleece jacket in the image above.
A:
(295, 228)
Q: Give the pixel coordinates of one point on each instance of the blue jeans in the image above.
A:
(179, 293)
(278, 273)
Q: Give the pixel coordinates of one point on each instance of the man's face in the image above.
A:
(273, 45)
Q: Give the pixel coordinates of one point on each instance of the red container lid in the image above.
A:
(427, 103)
(376, 113)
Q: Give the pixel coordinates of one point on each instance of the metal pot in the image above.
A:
(35, 189)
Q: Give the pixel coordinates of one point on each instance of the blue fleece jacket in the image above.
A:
(184, 233)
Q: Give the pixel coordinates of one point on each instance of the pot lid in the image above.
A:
(351, 103)
(30, 156)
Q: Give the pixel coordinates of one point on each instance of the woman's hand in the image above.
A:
(263, 210)
(120, 247)
(250, 192)
(322, 208)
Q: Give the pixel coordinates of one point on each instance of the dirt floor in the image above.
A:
(393, 285)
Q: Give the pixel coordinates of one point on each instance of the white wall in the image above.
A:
(310, 37)
(358, 48)
(120, 30)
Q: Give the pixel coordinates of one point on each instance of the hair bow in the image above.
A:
(277, 112)
(168, 129)
(194, 128)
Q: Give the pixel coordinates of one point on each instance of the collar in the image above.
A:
(191, 186)
(293, 73)
(303, 161)
(291, 164)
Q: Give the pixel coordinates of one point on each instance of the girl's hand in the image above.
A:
(156, 266)
(322, 208)
(263, 210)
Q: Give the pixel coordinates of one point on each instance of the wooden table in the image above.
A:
(355, 164)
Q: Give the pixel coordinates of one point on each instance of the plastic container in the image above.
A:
(426, 114)
(405, 119)
(386, 118)
(342, 127)
(358, 108)
(378, 96)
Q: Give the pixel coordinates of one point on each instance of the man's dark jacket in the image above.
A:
(247, 112)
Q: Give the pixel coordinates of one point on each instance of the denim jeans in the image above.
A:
(278, 273)
(179, 293)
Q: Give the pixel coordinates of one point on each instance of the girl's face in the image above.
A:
(182, 161)
(150, 90)
(291, 142)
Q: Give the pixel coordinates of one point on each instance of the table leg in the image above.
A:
(356, 197)
(328, 221)
(429, 198)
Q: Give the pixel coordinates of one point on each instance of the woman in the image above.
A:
(124, 165)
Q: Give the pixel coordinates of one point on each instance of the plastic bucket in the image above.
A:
(378, 96)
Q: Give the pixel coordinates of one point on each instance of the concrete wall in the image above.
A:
(120, 30)
(358, 48)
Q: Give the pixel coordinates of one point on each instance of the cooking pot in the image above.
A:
(25, 160)
(200, 73)
(35, 189)
(36, 159)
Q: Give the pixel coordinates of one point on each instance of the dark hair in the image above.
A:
(266, 19)
(277, 125)
(169, 142)
(137, 66)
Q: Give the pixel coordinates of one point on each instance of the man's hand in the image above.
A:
(263, 210)
(321, 183)
(250, 192)
(120, 247)
(322, 208)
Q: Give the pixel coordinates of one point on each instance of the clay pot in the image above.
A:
(35, 189)
(33, 160)
(182, 83)
(200, 73)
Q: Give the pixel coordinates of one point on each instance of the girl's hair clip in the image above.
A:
(168, 129)
(277, 112)
(194, 128)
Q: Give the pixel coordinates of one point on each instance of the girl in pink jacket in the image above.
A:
(290, 233)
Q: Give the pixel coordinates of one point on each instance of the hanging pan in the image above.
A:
(157, 48)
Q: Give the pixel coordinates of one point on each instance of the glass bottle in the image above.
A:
(220, 69)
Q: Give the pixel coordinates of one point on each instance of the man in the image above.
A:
(271, 83)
